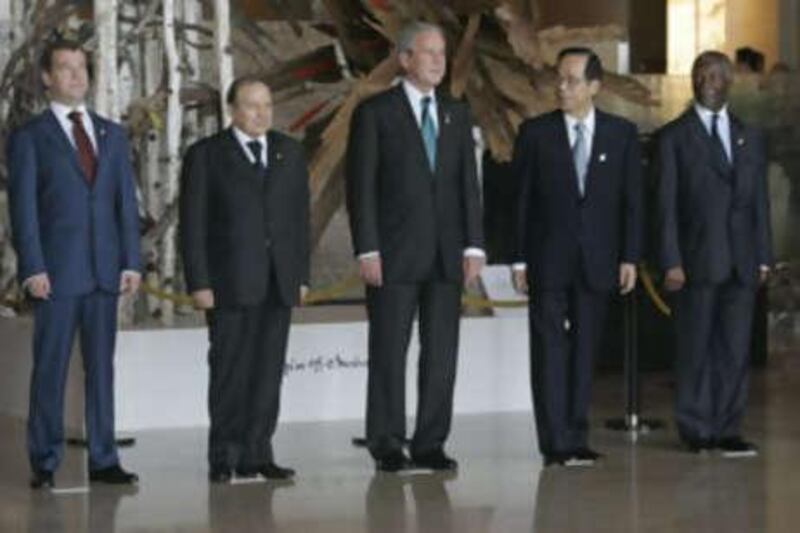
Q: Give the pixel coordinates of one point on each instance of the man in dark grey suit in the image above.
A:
(244, 237)
(578, 236)
(413, 200)
(715, 249)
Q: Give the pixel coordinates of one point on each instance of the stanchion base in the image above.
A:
(634, 424)
(121, 442)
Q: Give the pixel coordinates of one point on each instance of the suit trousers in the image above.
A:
(246, 361)
(713, 327)
(391, 309)
(566, 328)
(56, 322)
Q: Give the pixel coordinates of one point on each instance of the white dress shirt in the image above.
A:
(588, 129)
(415, 97)
(244, 138)
(62, 111)
(723, 125)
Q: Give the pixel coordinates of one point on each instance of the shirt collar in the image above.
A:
(244, 138)
(62, 110)
(705, 113)
(588, 121)
(415, 95)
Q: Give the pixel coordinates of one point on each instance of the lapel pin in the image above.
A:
(447, 118)
(278, 156)
(740, 141)
(102, 132)
(602, 158)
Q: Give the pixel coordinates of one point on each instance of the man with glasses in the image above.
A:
(578, 232)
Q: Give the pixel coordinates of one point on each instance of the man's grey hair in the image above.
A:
(409, 32)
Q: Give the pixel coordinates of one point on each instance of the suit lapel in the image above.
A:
(410, 122)
(101, 138)
(565, 151)
(274, 158)
(443, 114)
(713, 154)
(57, 133)
(599, 150)
(242, 165)
(738, 145)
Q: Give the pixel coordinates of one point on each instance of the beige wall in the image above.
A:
(583, 13)
(755, 24)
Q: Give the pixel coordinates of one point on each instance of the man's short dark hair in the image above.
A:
(752, 58)
(238, 83)
(46, 59)
(710, 57)
(594, 67)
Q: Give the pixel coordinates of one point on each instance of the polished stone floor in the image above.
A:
(646, 484)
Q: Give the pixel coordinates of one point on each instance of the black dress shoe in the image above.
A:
(42, 479)
(588, 453)
(554, 459)
(393, 462)
(113, 475)
(219, 474)
(436, 460)
(582, 457)
(736, 447)
(699, 446)
(269, 471)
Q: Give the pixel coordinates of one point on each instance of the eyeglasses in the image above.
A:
(569, 81)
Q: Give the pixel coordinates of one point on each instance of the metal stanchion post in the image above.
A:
(632, 421)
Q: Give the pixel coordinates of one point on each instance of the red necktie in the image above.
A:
(86, 157)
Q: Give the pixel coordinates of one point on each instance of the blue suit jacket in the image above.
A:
(82, 237)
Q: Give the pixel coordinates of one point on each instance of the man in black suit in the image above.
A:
(715, 249)
(415, 217)
(577, 241)
(245, 243)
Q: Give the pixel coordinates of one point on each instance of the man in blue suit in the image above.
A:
(75, 230)
(578, 233)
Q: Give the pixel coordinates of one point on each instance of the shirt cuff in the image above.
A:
(369, 255)
(28, 281)
(132, 272)
(519, 267)
(474, 252)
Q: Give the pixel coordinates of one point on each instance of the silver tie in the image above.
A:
(580, 155)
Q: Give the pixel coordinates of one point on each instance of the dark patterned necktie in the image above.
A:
(256, 149)
(86, 156)
(720, 146)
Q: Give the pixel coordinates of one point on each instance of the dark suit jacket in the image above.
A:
(236, 224)
(561, 235)
(82, 237)
(397, 205)
(713, 217)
